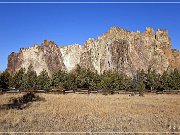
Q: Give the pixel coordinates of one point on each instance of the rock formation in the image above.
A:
(116, 50)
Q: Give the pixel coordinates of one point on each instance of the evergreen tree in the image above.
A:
(174, 80)
(95, 81)
(141, 88)
(69, 83)
(82, 80)
(4, 79)
(85, 78)
(16, 80)
(30, 79)
(115, 81)
(139, 79)
(164, 81)
(58, 79)
(43, 80)
(152, 81)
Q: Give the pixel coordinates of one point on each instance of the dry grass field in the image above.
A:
(94, 113)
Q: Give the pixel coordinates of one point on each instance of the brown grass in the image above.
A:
(94, 113)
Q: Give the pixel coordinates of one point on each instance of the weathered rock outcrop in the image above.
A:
(47, 56)
(116, 50)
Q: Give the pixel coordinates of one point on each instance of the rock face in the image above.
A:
(116, 50)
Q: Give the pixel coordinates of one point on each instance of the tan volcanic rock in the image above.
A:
(71, 56)
(116, 50)
(47, 56)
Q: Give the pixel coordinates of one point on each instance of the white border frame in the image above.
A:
(89, 2)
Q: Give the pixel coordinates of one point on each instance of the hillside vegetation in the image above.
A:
(86, 79)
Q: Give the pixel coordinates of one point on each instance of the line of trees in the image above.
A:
(84, 78)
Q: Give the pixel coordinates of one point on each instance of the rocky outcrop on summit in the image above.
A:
(116, 50)
(71, 56)
(47, 57)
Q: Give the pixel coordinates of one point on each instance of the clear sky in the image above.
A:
(22, 25)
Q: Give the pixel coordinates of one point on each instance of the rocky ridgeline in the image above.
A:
(116, 50)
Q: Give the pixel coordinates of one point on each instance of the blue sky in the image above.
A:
(22, 25)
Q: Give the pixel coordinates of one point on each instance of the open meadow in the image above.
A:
(94, 113)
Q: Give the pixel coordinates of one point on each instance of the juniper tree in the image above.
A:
(174, 80)
(16, 80)
(152, 79)
(69, 82)
(58, 79)
(30, 78)
(4, 79)
(43, 80)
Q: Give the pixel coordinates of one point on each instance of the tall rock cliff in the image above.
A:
(116, 50)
